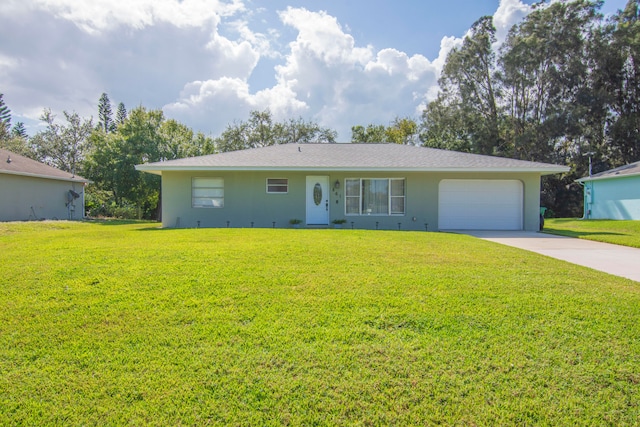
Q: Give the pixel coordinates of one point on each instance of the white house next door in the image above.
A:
(318, 200)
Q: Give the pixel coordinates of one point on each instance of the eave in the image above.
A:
(56, 178)
(154, 169)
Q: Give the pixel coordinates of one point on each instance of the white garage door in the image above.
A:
(475, 204)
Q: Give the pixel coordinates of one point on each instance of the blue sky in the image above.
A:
(207, 63)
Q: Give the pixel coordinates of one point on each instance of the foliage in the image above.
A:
(105, 115)
(121, 114)
(128, 324)
(400, 131)
(626, 233)
(19, 131)
(561, 89)
(261, 131)
(5, 115)
(619, 77)
(145, 136)
(372, 134)
(63, 146)
(468, 81)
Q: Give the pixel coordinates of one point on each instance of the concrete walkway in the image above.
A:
(618, 260)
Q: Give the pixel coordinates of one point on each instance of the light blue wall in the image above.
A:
(247, 204)
(616, 198)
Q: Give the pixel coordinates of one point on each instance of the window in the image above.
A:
(207, 192)
(384, 196)
(277, 185)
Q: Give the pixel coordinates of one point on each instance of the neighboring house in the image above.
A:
(31, 190)
(372, 186)
(613, 194)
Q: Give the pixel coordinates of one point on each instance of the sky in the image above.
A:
(208, 63)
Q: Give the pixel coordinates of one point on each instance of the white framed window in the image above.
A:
(207, 192)
(277, 185)
(375, 196)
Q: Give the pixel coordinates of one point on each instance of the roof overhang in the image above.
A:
(158, 170)
(602, 178)
(56, 178)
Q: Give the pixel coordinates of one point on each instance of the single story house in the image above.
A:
(30, 190)
(371, 186)
(613, 194)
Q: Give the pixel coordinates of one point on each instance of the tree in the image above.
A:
(5, 119)
(19, 131)
(261, 131)
(144, 136)
(443, 127)
(403, 131)
(469, 82)
(545, 68)
(63, 146)
(620, 72)
(372, 134)
(400, 131)
(105, 116)
(121, 114)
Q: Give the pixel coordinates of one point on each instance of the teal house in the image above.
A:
(370, 186)
(613, 194)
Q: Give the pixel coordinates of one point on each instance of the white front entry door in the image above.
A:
(318, 200)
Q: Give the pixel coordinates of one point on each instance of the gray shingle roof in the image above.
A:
(626, 170)
(15, 164)
(350, 157)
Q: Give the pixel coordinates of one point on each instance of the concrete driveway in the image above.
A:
(613, 259)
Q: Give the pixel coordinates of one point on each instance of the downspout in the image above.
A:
(584, 201)
(587, 198)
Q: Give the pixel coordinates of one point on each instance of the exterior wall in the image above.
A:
(24, 198)
(247, 204)
(617, 198)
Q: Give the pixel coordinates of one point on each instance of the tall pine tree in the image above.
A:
(5, 115)
(105, 115)
(121, 114)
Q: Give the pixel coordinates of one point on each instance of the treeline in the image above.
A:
(563, 88)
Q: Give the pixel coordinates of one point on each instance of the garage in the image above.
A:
(475, 204)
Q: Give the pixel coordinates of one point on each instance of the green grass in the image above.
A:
(626, 233)
(129, 324)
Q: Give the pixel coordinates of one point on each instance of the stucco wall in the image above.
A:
(617, 198)
(247, 204)
(24, 198)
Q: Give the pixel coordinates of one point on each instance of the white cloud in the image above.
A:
(319, 34)
(99, 15)
(325, 77)
(196, 59)
(509, 12)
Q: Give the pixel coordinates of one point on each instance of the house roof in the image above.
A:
(622, 171)
(15, 164)
(350, 157)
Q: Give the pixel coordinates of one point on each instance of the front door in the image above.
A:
(317, 200)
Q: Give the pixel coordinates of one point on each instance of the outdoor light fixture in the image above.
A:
(336, 185)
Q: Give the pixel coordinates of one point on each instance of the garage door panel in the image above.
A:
(480, 205)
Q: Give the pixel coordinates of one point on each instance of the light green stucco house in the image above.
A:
(31, 190)
(371, 186)
(613, 194)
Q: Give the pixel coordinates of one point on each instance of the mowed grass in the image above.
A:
(133, 325)
(626, 233)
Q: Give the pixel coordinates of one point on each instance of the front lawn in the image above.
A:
(130, 324)
(626, 233)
